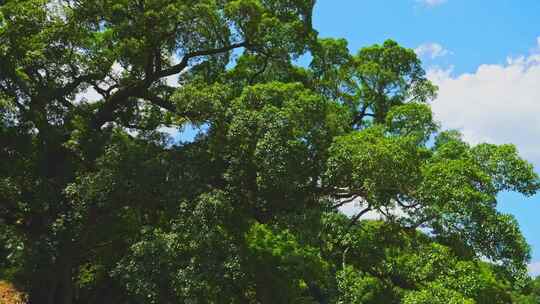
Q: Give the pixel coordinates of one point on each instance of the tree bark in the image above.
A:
(43, 287)
(53, 283)
(66, 288)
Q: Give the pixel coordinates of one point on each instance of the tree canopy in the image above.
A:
(99, 204)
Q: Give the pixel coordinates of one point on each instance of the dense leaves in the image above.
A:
(99, 204)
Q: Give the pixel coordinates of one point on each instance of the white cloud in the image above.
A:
(352, 208)
(499, 103)
(431, 2)
(431, 50)
(90, 95)
(534, 269)
(536, 49)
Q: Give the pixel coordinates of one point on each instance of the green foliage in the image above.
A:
(530, 294)
(196, 260)
(354, 287)
(374, 165)
(279, 262)
(436, 294)
(411, 120)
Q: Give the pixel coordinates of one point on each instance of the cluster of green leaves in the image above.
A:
(98, 205)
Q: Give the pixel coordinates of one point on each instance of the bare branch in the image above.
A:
(360, 117)
(357, 217)
(260, 71)
(158, 101)
(105, 112)
(175, 69)
(353, 222)
(345, 201)
(405, 206)
(60, 93)
(114, 101)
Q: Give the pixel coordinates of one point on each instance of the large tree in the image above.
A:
(126, 53)
(98, 205)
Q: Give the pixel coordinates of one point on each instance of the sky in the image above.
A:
(485, 58)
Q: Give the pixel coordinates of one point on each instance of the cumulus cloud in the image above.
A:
(431, 3)
(90, 95)
(534, 269)
(352, 208)
(498, 103)
(536, 49)
(431, 50)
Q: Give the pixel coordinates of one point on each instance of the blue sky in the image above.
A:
(475, 31)
(485, 58)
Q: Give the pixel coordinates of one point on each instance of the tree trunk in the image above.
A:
(43, 289)
(53, 284)
(65, 288)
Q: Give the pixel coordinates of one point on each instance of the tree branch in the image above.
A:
(60, 93)
(158, 101)
(259, 72)
(345, 201)
(405, 206)
(175, 69)
(353, 221)
(357, 217)
(105, 112)
(114, 101)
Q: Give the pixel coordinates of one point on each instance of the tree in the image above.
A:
(529, 294)
(52, 51)
(99, 205)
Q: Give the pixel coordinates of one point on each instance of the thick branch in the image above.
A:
(106, 112)
(357, 121)
(114, 101)
(345, 201)
(357, 217)
(62, 92)
(405, 206)
(175, 69)
(259, 72)
(160, 102)
(353, 222)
